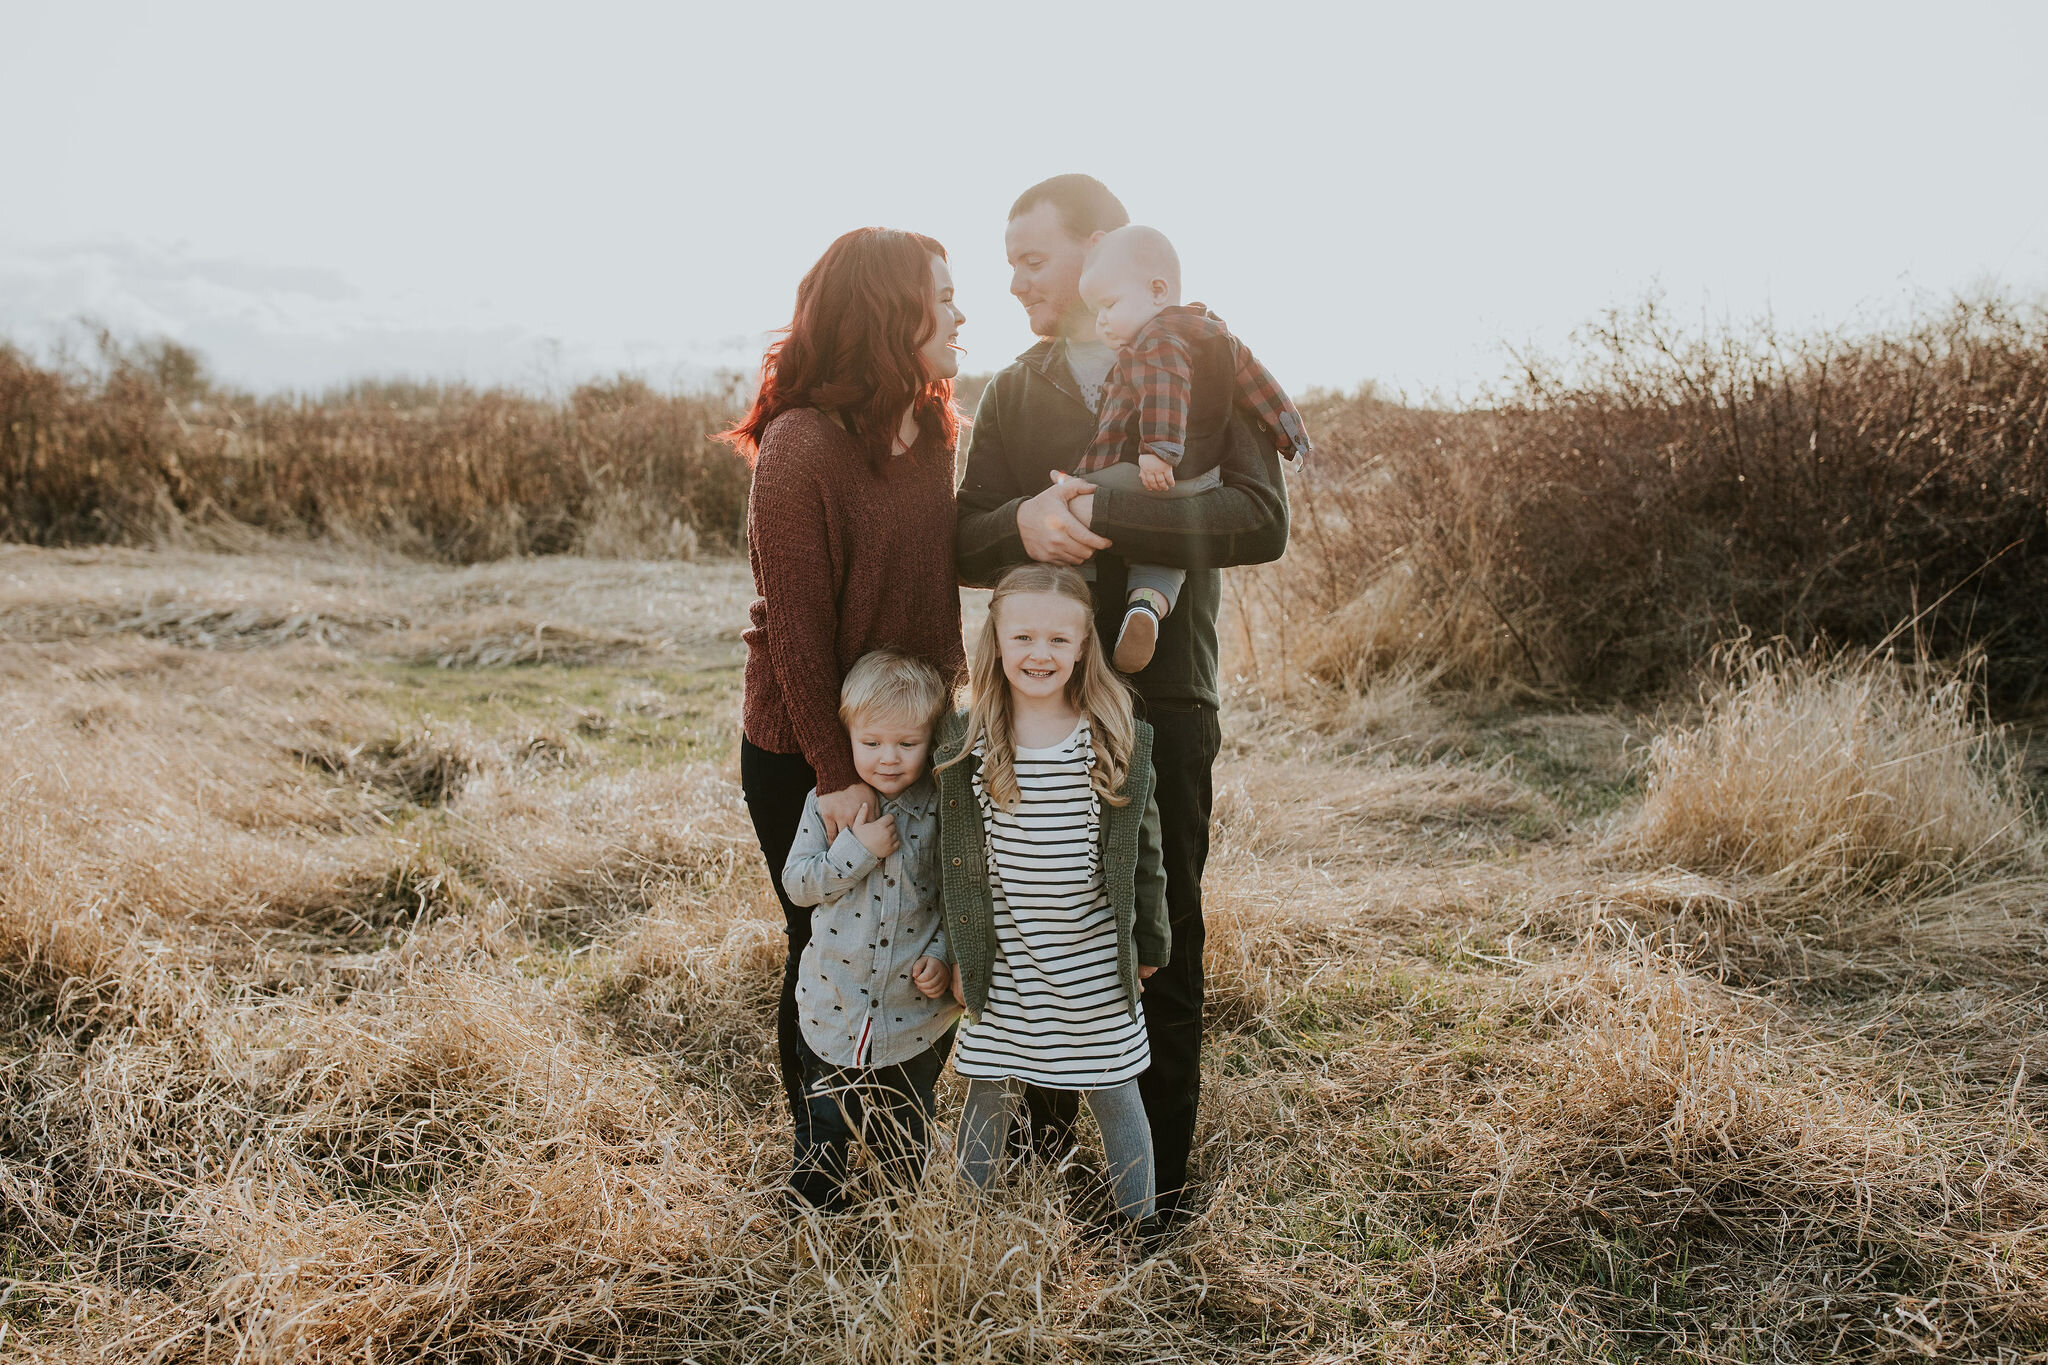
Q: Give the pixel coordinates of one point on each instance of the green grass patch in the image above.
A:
(621, 715)
(1580, 761)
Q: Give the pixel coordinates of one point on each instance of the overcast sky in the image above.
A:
(532, 193)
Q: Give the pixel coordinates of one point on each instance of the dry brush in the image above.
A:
(1604, 522)
(141, 450)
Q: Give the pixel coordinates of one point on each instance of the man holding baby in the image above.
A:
(1036, 425)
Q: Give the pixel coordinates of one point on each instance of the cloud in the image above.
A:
(270, 327)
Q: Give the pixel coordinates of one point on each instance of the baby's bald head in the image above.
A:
(1138, 252)
(1130, 274)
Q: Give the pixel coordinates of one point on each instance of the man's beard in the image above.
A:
(1075, 322)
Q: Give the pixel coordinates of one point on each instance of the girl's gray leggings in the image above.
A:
(1119, 1112)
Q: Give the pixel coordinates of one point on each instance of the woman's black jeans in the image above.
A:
(775, 786)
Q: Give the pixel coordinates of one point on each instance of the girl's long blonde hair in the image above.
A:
(1094, 690)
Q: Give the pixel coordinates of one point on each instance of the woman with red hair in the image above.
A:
(850, 533)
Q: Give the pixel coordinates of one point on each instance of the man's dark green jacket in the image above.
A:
(1033, 420)
(1129, 839)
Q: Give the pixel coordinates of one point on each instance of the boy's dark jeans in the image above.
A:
(887, 1107)
(1187, 736)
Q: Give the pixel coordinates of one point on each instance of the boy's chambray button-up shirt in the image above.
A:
(873, 918)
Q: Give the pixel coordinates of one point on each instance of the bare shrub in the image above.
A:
(143, 450)
(1607, 520)
(1856, 774)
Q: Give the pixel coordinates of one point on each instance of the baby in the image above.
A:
(1132, 280)
(871, 990)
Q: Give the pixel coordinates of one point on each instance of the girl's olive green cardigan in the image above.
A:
(1130, 869)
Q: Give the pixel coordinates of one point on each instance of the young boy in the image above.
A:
(871, 991)
(1132, 280)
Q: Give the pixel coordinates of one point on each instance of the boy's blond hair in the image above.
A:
(885, 683)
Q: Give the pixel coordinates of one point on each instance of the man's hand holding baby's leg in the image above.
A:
(931, 977)
(1155, 473)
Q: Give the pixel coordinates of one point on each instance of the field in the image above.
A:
(1595, 528)
(387, 973)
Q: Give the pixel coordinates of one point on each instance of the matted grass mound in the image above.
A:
(1664, 1140)
(1854, 774)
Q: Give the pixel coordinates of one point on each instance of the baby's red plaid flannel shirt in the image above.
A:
(1152, 379)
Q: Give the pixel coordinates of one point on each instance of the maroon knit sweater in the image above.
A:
(845, 560)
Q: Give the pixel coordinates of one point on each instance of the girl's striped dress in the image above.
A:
(1057, 1013)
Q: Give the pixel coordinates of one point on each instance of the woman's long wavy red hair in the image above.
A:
(862, 314)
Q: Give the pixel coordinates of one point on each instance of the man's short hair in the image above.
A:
(1084, 204)
(884, 683)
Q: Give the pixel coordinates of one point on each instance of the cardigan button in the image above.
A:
(956, 862)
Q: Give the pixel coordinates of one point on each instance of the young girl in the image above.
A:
(1049, 853)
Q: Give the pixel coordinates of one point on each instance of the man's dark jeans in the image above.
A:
(887, 1107)
(1186, 739)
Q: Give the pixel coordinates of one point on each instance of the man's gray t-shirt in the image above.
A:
(1089, 362)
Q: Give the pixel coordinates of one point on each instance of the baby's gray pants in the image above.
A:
(1161, 578)
(1119, 1112)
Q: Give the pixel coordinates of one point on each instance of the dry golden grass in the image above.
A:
(1842, 775)
(378, 987)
